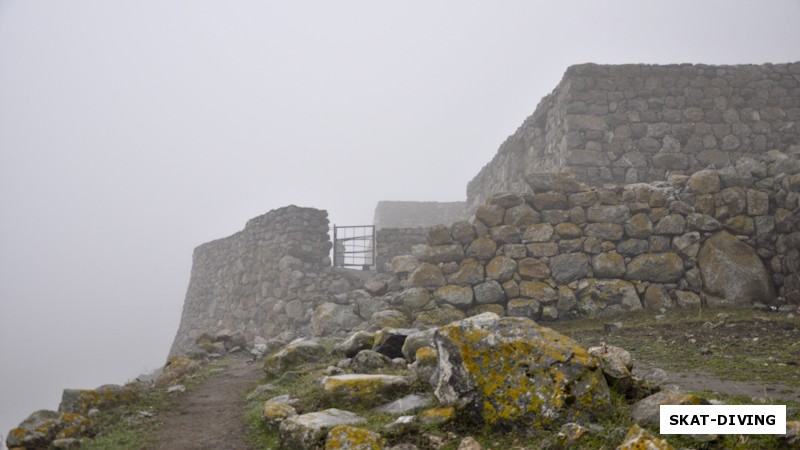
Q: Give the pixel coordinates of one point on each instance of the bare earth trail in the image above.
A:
(210, 415)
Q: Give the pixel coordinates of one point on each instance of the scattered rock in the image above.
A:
(639, 438)
(405, 405)
(364, 389)
(293, 354)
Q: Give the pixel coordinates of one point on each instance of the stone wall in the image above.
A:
(727, 236)
(262, 280)
(391, 242)
(636, 123)
(393, 214)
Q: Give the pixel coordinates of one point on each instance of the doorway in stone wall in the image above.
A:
(354, 246)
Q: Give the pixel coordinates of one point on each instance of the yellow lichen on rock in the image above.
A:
(437, 416)
(640, 439)
(511, 371)
(345, 437)
(364, 389)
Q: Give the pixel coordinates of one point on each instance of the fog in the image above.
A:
(132, 132)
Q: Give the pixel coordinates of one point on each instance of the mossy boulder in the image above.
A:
(639, 438)
(647, 410)
(42, 427)
(82, 400)
(512, 372)
(364, 389)
(346, 437)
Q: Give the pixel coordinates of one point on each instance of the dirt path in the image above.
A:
(210, 415)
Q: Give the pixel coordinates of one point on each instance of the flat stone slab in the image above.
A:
(406, 405)
(307, 431)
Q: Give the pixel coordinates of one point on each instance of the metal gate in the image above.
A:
(354, 246)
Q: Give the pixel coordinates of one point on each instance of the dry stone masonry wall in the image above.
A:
(391, 242)
(262, 280)
(638, 123)
(727, 236)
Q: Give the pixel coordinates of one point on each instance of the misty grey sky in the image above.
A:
(131, 132)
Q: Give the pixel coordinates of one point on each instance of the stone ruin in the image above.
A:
(631, 186)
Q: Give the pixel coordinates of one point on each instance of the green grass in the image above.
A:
(747, 346)
(132, 426)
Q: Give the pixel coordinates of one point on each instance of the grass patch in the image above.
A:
(746, 346)
(132, 425)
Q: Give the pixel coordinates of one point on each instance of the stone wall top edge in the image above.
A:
(595, 69)
(259, 220)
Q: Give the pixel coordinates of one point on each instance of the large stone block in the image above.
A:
(732, 270)
(656, 267)
(569, 267)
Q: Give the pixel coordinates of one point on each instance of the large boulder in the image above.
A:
(82, 400)
(512, 372)
(732, 270)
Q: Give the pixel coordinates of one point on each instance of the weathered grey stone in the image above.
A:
(438, 316)
(460, 296)
(507, 199)
(610, 292)
(639, 437)
(523, 307)
(647, 410)
(406, 405)
(439, 235)
(687, 244)
(469, 272)
(389, 341)
(671, 224)
(538, 291)
(540, 232)
(353, 438)
(639, 226)
(550, 362)
(482, 249)
(530, 268)
(462, 232)
(608, 265)
(505, 234)
(704, 182)
(608, 213)
(415, 298)
(656, 267)
(567, 230)
(404, 264)
(307, 431)
(550, 200)
(604, 231)
(554, 181)
(426, 275)
(415, 341)
(733, 271)
(521, 216)
(366, 361)
(687, 299)
(360, 340)
(490, 215)
(443, 253)
(569, 267)
(330, 317)
(488, 292)
(702, 222)
(757, 202)
(501, 268)
(294, 353)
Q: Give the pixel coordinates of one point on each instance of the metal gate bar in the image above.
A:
(354, 246)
